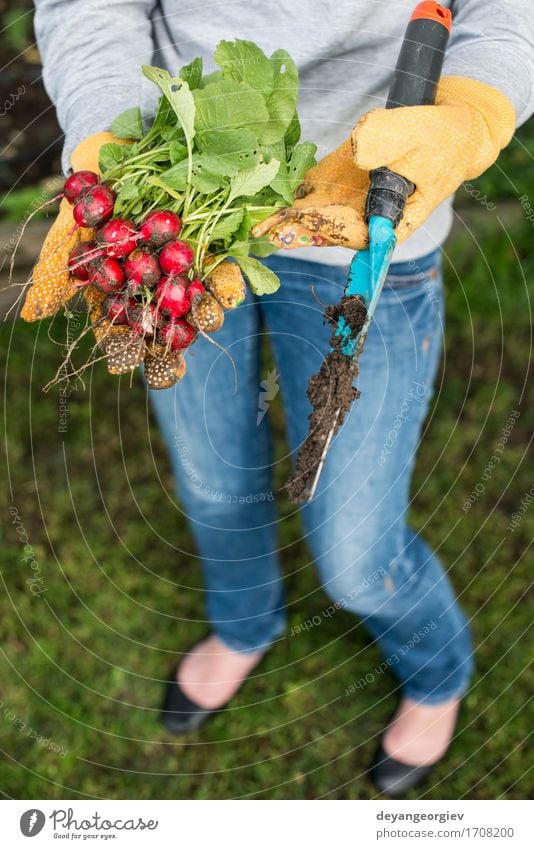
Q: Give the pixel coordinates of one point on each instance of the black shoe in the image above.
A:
(394, 778)
(179, 714)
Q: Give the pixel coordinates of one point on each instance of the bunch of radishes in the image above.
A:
(146, 272)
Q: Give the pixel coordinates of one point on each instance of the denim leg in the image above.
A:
(369, 560)
(221, 459)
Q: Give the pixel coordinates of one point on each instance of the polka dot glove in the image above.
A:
(436, 147)
(51, 286)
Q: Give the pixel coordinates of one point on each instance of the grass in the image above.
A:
(83, 663)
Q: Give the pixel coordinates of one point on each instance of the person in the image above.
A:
(369, 560)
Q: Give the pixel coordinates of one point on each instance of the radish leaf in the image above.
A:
(253, 180)
(237, 146)
(227, 226)
(179, 96)
(261, 279)
(302, 158)
(192, 73)
(128, 191)
(245, 62)
(227, 104)
(128, 125)
(111, 155)
(282, 102)
(177, 152)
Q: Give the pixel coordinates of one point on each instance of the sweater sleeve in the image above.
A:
(493, 41)
(92, 54)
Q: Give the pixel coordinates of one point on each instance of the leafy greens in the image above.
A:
(223, 152)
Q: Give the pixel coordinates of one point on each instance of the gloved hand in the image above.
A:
(436, 147)
(51, 286)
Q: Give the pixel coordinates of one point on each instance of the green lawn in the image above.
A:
(83, 662)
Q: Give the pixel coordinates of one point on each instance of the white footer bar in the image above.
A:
(268, 824)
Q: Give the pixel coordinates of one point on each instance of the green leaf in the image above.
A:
(261, 279)
(267, 197)
(221, 165)
(128, 191)
(262, 247)
(179, 96)
(302, 159)
(165, 117)
(239, 147)
(227, 104)
(252, 217)
(282, 102)
(227, 226)
(245, 62)
(111, 155)
(214, 77)
(280, 184)
(240, 248)
(128, 125)
(291, 174)
(243, 232)
(208, 172)
(138, 208)
(192, 73)
(156, 181)
(177, 152)
(253, 180)
(256, 216)
(205, 181)
(176, 176)
(292, 135)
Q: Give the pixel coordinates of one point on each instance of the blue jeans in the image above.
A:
(369, 560)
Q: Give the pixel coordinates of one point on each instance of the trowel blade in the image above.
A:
(367, 273)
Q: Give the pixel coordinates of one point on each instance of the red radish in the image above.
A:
(107, 274)
(160, 227)
(171, 296)
(94, 207)
(117, 309)
(78, 183)
(80, 257)
(118, 237)
(178, 334)
(145, 320)
(142, 269)
(195, 288)
(176, 257)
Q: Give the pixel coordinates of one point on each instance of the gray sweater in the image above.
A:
(346, 50)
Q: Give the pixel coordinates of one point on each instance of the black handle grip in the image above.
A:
(414, 83)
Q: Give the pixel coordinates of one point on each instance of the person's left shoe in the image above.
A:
(206, 680)
(394, 778)
(180, 714)
(414, 742)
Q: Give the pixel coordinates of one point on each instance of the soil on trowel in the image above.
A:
(329, 391)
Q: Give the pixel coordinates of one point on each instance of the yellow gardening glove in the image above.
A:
(436, 147)
(329, 206)
(51, 286)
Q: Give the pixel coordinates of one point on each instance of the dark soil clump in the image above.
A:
(330, 393)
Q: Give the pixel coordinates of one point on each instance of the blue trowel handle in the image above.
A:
(414, 84)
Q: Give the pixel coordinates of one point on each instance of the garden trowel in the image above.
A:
(414, 83)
